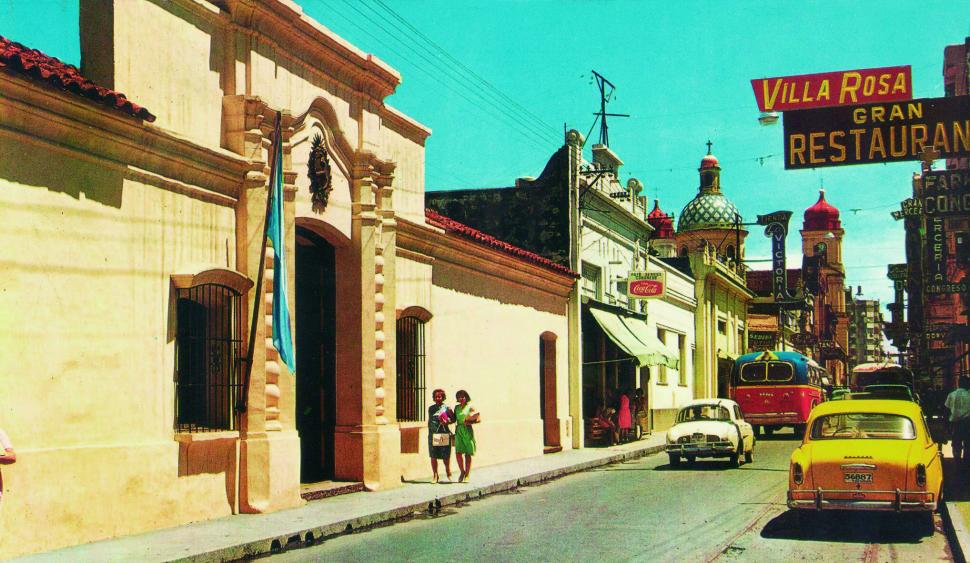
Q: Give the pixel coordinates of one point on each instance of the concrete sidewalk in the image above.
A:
(245, 535)
(956, 496)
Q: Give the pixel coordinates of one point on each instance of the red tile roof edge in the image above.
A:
(35, 64)
(452, 226)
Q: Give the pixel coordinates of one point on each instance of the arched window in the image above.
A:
(411, 380)
(730, 251)
(683, 251)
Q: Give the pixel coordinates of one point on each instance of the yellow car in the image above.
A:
(865, 454)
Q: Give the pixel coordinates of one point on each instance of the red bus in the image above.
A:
(776, 389)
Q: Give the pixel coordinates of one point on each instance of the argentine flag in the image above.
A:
(282, 335)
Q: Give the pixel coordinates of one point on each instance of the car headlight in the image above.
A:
(920, 475)
(797, 474)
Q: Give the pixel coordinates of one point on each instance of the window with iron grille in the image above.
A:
(208, 350)
(410, 369)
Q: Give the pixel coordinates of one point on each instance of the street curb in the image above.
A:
(305, 537)
(956, 531)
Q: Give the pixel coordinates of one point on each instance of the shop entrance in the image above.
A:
(315, 350)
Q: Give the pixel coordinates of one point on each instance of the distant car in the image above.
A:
(838, 393)
(866, 454)
(890, 391)
(710, 428)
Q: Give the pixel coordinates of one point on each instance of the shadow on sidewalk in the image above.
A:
(956, 480)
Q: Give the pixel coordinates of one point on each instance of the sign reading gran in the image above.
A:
(804, 91)
(877, 132)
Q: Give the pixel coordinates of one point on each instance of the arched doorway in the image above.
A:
(315, 347)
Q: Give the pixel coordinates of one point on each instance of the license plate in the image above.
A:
(858, 477)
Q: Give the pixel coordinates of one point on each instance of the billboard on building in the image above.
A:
(806, 91)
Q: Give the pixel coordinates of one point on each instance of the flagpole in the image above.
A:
(242, 404)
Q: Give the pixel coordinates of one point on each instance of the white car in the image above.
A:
(710, 428)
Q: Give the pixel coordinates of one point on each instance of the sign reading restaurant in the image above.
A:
(805, 91)
(877, 132)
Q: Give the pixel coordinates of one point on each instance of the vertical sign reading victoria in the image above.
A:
(776, 228)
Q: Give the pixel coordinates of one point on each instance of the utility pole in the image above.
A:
(605, 95)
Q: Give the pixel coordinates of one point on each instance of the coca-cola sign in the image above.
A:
(646, 285)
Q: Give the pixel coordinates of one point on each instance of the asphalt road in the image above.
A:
(645, 510)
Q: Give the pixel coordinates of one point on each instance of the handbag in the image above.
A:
(439, 439)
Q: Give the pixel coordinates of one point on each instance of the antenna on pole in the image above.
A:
(606, 90)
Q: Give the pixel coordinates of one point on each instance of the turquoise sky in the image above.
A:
(681, 69)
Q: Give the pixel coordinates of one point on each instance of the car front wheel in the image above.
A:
(674, 460)
(749, 455)
(736, 458)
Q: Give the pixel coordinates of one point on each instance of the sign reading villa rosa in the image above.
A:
(646, 285)
(804, 91)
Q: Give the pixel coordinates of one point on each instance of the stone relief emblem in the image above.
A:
(320, 174)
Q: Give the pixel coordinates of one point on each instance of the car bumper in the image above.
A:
(774, 418)
(702, 449)
(834, 499)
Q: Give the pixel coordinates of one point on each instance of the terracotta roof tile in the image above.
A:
(16, 58)
(452, 226)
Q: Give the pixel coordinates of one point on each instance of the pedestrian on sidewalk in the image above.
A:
(465, 416)
(440, 416)
(7, 456)
(958, 406)
(624, 418)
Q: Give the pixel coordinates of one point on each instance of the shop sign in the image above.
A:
(898, 272)
(936, 332)
(909, 207)
(646, 285)
(829, 350)
(776, 228)
(886, 132)
(759, 341)
(945, 287)
(804, 91)
(936, 251)
(946, 193)
(804, 339)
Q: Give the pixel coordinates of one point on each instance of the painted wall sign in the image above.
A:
(646, 285)
(805, 91)
(869, 133)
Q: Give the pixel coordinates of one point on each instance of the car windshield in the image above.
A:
(703, 412)
(866, 425)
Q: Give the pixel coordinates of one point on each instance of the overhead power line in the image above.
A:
(447, 77)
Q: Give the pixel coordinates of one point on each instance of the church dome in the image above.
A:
(822, 216)
(709, 210)
(662, 223)
(709, 161)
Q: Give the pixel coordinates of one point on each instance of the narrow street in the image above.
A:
(645, 510)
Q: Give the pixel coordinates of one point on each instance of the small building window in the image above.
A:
(208, 354)
(410, 368)
(683, 251)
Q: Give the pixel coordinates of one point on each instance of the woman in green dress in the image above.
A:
(465, 416)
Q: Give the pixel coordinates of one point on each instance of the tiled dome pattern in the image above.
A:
(707, 211)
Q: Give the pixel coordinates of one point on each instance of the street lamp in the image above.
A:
(768, 118)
